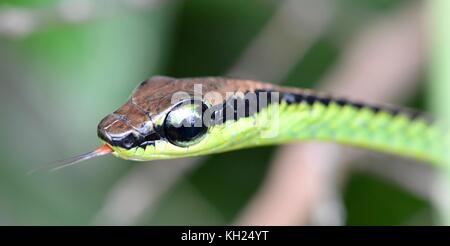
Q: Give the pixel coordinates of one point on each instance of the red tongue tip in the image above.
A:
(105, 149)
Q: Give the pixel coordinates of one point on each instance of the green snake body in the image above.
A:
(361, 127)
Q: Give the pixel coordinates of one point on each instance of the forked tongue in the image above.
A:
(104, 150)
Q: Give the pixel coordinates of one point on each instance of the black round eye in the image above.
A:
(128, 142)
(184, 125)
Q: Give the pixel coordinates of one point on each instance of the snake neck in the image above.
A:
(308, 116)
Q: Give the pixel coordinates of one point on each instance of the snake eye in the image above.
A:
(184, 125)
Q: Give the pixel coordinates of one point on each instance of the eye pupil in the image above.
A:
(184, 124)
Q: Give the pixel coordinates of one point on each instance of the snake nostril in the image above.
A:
(104, 124)
(117, 132)
(103, 135)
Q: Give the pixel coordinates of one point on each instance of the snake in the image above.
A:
(169, 118)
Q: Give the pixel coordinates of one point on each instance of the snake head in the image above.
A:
(167, 118)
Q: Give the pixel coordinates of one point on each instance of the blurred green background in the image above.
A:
(65, 65)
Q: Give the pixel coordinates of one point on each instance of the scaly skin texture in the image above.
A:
(362, 128)
(325, 120)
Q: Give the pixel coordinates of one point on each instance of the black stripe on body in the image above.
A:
(243, 105)
(311, 99)
(219, 115)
